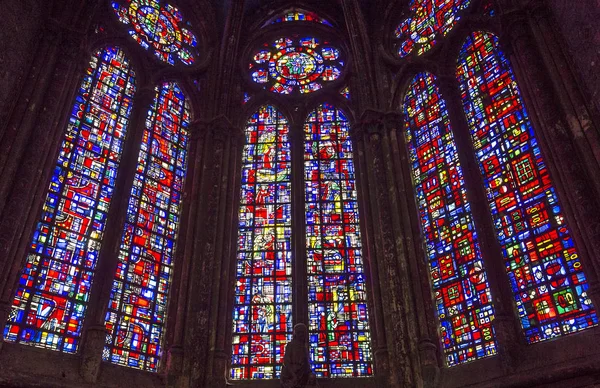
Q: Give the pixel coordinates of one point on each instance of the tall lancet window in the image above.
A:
(136, 316)
(52, 295)
(458, 278)
(339, 334)
(542, 262)
(262, 315)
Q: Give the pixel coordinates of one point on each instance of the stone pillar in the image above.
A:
(559, 134)
(395, 330)
(94, 332)
(207, 328)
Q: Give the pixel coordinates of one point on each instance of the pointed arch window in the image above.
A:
(462, 295)
(262, 315)
(338, 325)
(52, 295)
(542, 262)
(136, 315)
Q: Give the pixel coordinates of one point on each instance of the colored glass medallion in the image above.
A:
(136, 315)
(345, 92)
(262, 312)
(458, 278)
(159, 28)
(542, 262)
(340, 340)
(428, 21)
(53, 291)
(298, 15)
(296, 64)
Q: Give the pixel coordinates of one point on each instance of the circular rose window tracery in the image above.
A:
(295, 64)
(159, 28)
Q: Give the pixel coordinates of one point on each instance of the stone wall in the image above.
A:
(579, 22)
(20, 26)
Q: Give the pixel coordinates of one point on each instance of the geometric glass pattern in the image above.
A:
(158, 28)
(298, 15)
(542, 262)
(339, 334)
(428, 20)
(53, 291)
(262, 312)
(458, 278)
(136, 315)
(295, 65)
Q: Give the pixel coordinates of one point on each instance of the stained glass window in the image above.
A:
(428, 20)
(296, 64)
(458, 278)
(159, 28)
(340, 343)
(542, 262)
(298, 15)
(345, 92)
(135, 319)
(53, 291)
(262, 315)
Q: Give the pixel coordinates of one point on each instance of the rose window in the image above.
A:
(292, 64)
(159, 28)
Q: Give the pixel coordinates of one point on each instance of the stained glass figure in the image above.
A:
(52, 295)
(340, 340)
(427, 22)
(458, 277)
(136, 315)
(298, 15)
(542, 261)
(160, 28)
(262, 312)
(296, 64)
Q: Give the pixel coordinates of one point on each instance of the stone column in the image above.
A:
(395, 331)
(205, 356)
(559, 137)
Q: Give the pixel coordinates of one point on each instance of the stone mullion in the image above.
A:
(505, 322)
(299, 259)
(196, 326)
(393, 301)
(94, 331)
(584, 130)
(417, 269)
(28, 186)
(553, 130)
(181, 281)
(224, 256)
(370, 247)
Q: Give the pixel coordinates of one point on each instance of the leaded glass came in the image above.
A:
(458, 278)
(52, 296)
(542, 261)
(137, 309)
(427, 22)
(262, 312)
(295, 64)
(338, 324)
(159, 28)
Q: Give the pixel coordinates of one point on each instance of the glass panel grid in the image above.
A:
(53, 291)
(429, 20)
(458, 278)
(262, 315)
(542, 262)
(136, 315)
(340, 343)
